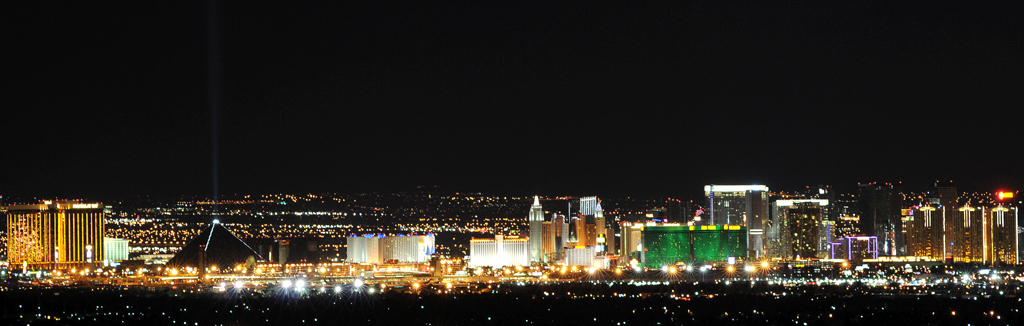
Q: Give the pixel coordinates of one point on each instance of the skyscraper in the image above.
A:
(968, 234)
(600, 233)
(943, 196)
(881, 216)
(745, 205)
(548, 239)
(630, 241)
(561, 234)
(927, 232)
(588, 205)
(536, 234)
(1001, 241)
(55, 234)
(847, 216)
(799, 229)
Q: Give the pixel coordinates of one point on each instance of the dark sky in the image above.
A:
(579, 98)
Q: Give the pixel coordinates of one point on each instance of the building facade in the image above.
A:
(799, 229)
(379, 248)
(630, 243)
(549, 250)
(580, 256)
(115, 250)
(855, 248)
(881, 216)
(967, 228)
(667, 245)
(1001, 242)
(925, 232)
(499, 251)
(536, 220)
(743, 205)
(55, 234)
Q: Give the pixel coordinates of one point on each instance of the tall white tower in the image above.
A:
(536, 220)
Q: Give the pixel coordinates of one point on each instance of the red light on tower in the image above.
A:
(1003, 195)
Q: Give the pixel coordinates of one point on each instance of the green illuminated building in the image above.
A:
(667, 245)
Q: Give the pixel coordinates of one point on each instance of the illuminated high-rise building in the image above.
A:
(630, 243)
(581, 230)
(847, 216)
(926, 234)
(585, 227)
(548, 240)
(846, 226)
(561, 233)
(744, 205)
(943, 196)
(407, 248)
(968, 234)
(600, 233)
(588, 205)
(55, 234)
(1001, 241)
(799, 229)
(983, 234)
(536, 220)
(361, 249)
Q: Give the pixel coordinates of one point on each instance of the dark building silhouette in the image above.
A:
(881, 216)
(214, 246)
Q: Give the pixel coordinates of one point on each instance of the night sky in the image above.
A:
(552, 99)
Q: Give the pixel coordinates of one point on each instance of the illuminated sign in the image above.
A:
(790, 202)
(1004, 195)
(85, 205)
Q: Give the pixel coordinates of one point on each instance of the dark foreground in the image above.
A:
(561, 304)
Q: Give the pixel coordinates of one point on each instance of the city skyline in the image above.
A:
(425, 163)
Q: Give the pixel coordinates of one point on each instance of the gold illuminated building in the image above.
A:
(984, 234)
(924, 232)
(967, 230)
(1001, 243)
(55, 234)
(548, 241)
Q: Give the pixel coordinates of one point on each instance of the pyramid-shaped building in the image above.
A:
(220, 247)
